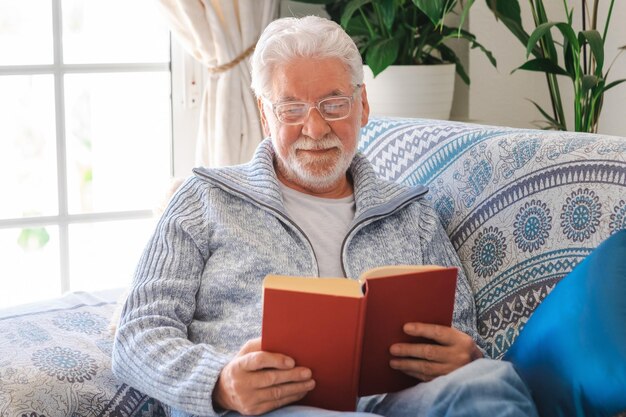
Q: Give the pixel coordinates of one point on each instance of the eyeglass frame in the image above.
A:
(311, 105)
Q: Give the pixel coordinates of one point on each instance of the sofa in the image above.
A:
(522, 208)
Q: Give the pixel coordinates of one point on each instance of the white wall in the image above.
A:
(499, 97)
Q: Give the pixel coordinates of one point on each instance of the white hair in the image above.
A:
(306, 37)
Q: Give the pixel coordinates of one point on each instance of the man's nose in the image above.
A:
(314, 125)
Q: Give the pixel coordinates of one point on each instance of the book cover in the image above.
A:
(426, 296)
(342, 329)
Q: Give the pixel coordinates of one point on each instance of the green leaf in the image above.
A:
(357, 27)
(465, 12)
(388, 11)
(542, 65)
(589, 82)
(350, 9)
(569, 15)
(509, 13)
(382, 54)
(571, 59)
(88, 176)
(548, 44)
(335, 10)
(596, 44)
(569, 34)
(487, 53)
(33, 238)
(509, 9)
(613, 84)
(463, 34)
(433, 9)
(542, 29)
(448, 55)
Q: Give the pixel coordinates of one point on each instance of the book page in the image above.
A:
(330, 286)
(387, 270)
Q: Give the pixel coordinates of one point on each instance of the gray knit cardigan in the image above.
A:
(196, 294)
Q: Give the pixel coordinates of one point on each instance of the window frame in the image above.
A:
(182, 117)
(188, 81)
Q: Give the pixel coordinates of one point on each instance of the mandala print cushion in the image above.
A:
(56, 361)
(572, 351)
(522, 207)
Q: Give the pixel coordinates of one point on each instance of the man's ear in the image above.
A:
(366, 106)
(264, 124)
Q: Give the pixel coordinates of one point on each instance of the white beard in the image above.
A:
(316, 172)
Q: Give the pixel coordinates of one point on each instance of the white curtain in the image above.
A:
(221, 35)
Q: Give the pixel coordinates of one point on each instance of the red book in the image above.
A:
(342, 329)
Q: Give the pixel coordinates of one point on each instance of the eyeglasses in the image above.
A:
(296, 112)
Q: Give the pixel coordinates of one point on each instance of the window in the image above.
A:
(85, 142)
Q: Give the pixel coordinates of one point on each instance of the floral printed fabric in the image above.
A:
(522, 207)
(55, 360)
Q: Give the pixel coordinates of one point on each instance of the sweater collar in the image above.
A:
(257, 180)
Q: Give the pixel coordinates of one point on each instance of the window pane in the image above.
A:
(113, 31)
(25, 32)
(104, 255)
(30, 268)
(118, 140)
(27, 146)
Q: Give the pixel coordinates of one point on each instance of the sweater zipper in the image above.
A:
(277, 212)
(368, 220)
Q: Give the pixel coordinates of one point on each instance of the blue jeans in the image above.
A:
(484, 387)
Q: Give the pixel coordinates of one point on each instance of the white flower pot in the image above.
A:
(424, 91)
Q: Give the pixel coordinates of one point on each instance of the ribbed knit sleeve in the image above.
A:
(151, 351)
(438, 250)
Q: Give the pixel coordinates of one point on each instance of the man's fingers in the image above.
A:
(270, 398)
(443, 335)
(271, 378)
(278, 393)
(428, 351)
(255, 361)
(256, 382)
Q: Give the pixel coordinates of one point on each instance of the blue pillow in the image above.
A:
(572, 351)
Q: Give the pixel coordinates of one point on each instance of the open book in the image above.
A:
(342, 329)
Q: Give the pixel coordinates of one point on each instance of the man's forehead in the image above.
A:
(308, 79)
(286, 96)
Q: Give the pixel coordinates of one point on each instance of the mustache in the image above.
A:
(308, 144)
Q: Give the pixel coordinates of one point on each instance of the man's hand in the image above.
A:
(256, 382)
(426, 361)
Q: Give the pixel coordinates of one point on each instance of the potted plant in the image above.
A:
(582, 56)
(404, 33)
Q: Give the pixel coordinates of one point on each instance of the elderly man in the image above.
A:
(306, 204)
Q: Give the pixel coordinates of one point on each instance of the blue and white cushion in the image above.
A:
(55, 360)
(522, 207)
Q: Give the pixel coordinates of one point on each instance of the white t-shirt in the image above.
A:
(325, 221)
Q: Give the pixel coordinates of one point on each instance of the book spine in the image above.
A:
(358, 347)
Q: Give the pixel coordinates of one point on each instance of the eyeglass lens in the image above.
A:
(332, 108)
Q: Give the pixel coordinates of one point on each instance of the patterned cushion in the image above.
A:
(56, 361)
(522, 207)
